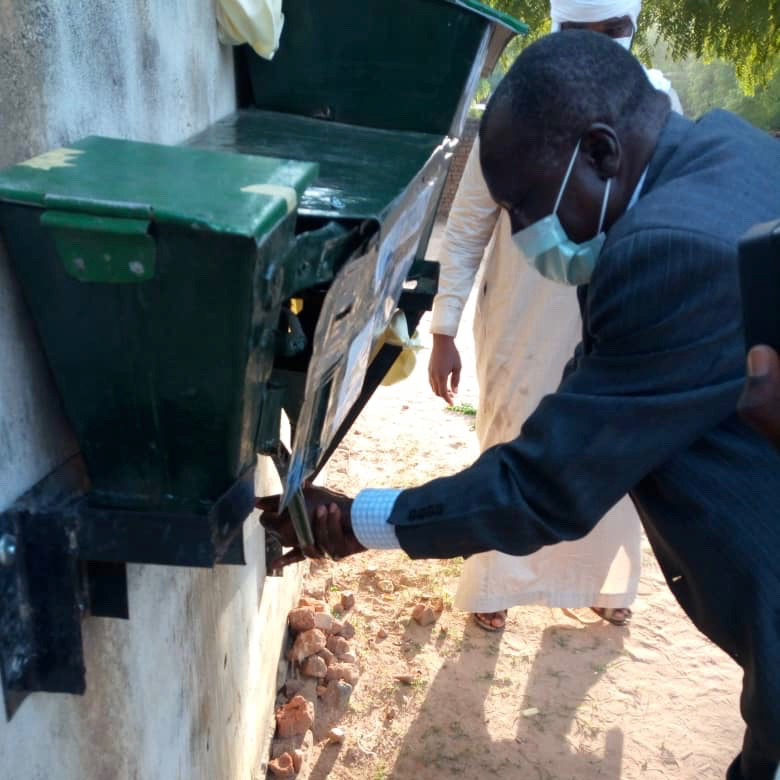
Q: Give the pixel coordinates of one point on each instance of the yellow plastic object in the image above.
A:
(397, 335)
(256, 22)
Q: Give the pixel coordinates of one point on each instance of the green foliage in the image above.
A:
(745, 34)
(467, 409)
(704, 86)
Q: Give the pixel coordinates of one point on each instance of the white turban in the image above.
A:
(592, 11)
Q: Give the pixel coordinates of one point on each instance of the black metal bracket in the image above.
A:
(269, 443)
(62, 559)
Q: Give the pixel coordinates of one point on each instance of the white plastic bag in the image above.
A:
(256, 22)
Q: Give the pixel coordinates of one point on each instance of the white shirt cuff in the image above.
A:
(446, 316)
(370, 514)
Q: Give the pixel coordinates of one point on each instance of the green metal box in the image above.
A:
(394, 64)
(155, 275)
(160, 278)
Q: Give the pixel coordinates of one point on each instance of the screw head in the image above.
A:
(7, 550)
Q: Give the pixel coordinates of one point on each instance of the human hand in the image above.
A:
(444, 362)
(759, 404)
(329, 515)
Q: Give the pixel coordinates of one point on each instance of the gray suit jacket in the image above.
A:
(647, 407)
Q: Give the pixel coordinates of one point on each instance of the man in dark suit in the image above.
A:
(575, 140)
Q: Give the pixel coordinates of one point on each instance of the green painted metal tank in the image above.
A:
(160, 277)
(154, 275)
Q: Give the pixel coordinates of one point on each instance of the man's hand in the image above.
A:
(759, 405)
(329, 515)
(445, 361)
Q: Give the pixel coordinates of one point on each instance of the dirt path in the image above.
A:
(549, 699)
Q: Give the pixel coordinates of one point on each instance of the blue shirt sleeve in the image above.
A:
(370, 513)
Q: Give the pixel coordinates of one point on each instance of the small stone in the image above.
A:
(336, 644)
(347, 630)
(347, 600)
(345, 672)
(317, 604)
(386, 586)
(437, 605)
(305, 602)
(327, 656)
(370, 571)
(530, 712)
(314, 666)
(308, 643)
(336, 736)
(282, 766)
(323, 621)
(406, 679)
(424, 615)
(337, 695)
(381, 634)
(295, 717)
(297, 757)
(390, 713)
(301, 619)
(348, 658)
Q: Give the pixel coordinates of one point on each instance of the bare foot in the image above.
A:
(491, 621)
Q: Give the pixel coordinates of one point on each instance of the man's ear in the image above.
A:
(601, 148)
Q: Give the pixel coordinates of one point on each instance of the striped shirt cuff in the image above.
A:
(370, 514)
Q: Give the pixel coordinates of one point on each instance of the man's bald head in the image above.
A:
(556, 90)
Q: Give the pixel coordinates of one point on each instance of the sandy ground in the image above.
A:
(550, 698)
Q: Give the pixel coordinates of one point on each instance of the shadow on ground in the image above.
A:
(456, 731)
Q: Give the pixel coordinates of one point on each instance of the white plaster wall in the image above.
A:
(185, 688)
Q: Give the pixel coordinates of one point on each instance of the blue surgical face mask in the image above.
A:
(550, 251)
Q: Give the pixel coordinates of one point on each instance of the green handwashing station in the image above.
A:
(185, 296)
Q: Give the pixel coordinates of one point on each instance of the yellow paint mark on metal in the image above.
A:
(296, 305)
(56, 158)
(287, 194)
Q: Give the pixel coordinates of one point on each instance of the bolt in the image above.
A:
(7, 550)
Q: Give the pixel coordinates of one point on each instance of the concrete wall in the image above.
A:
(184, 689)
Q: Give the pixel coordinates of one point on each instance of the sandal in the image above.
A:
(611, 615)
(485, 620)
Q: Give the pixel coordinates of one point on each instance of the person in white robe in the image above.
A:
(525, 330)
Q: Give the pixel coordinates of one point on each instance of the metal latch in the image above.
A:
(102, 249)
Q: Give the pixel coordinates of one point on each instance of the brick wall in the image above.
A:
(456, 169)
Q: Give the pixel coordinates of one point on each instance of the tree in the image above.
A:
(703, 86)
(745, 33)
